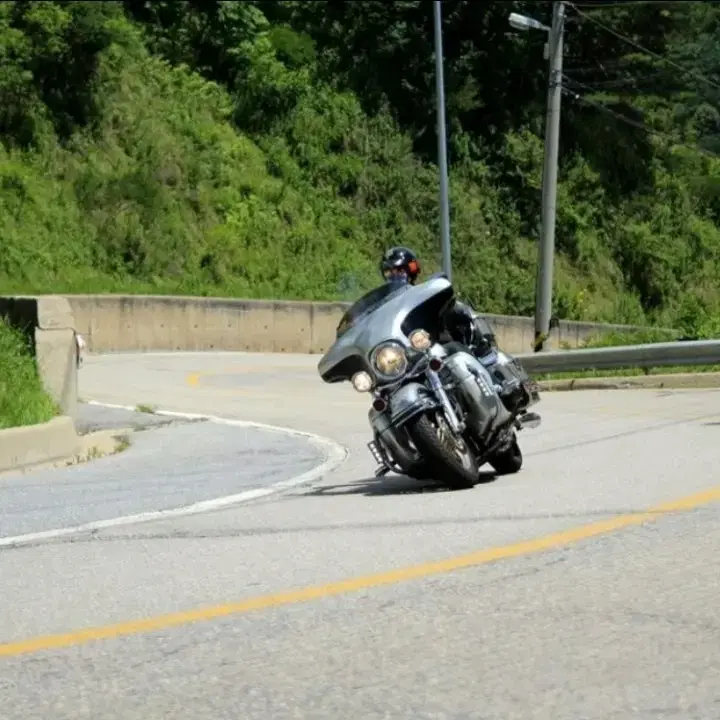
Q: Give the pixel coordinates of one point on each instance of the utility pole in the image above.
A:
(442, 145)
(546, 251)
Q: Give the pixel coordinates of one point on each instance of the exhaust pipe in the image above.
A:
(528, 420)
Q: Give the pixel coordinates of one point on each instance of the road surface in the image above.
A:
(583, 587)
(173, 463)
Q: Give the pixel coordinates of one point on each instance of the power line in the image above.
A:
(634, 123)
(604, 66)
(625, 3)
(619, 81)
(657, 56)
(586, 86)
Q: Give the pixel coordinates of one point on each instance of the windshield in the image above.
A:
(368, 303)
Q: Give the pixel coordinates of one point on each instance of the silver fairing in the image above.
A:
(404, 310)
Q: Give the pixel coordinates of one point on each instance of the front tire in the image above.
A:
(509, 461)
(450, 457)
(421, 471)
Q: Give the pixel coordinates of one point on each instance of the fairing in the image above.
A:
(385, 314)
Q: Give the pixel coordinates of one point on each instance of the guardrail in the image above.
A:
(692, 352)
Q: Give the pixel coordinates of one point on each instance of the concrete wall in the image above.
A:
(135, 322)
(49, 322)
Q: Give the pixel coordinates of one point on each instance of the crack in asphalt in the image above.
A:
(95, 536)
(163, 652)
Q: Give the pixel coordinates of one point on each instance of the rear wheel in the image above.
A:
(508, 461)
(449, 456)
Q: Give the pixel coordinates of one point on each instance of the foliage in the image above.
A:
(639, 337)
(272, 149)
(23, 400)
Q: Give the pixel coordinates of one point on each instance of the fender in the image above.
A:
(408, 401)
(385, 432)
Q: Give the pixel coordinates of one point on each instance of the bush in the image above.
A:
(640, 337)
(198, 149)
(23, 400)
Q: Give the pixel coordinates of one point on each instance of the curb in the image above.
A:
(673, 381)
(56, 447)
(31, 445)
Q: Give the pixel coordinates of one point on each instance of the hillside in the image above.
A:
(272, 149)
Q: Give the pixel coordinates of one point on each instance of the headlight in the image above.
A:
(390, 360)
(362, 382)
(420, 340)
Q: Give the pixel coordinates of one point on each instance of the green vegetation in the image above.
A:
(271, 149)
(147, 409)
(629, 372)
(123, 443)
(23, 400)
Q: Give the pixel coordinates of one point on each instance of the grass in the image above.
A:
(147, 409)
(23, 400)
(629, 372)
(123, 443)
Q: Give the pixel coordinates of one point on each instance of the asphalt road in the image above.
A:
(583, 587)
(170, 464)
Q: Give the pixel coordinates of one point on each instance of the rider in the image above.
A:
(401, 265)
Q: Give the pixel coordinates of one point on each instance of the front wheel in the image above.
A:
(449, 456)
(508, 461)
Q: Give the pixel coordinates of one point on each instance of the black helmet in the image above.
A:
(398, 261)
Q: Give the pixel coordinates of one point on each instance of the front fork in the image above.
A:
(456, 425)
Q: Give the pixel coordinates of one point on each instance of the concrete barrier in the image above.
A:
(112, 323)
(50, 442)
(48, 322)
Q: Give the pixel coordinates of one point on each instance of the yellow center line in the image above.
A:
(392, 577)
(279, 392)
(194, 378)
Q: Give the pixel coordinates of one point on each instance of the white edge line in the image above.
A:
(335, 455)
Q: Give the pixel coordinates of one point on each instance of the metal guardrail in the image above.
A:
(695, 352)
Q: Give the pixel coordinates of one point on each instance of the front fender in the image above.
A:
(409, 400)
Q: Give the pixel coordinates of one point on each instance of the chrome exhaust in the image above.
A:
(529, 420)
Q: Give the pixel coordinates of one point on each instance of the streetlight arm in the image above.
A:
(523, 22)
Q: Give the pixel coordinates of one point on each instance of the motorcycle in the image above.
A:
(434, 412)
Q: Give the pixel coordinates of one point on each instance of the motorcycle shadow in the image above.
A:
(392, 484)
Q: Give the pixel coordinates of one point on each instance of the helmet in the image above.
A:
(400, 263)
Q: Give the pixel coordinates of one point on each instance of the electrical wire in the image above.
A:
(626, 3)
(616, 82)
(657, 56)
(604, 66)
(619, 116)
(591, 88)
(635, 123)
